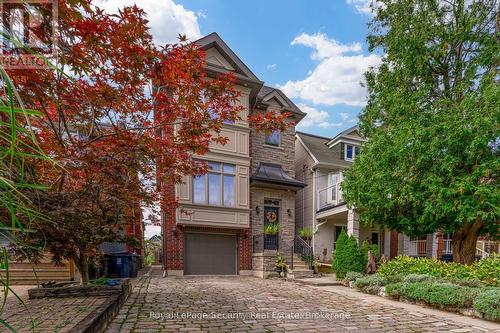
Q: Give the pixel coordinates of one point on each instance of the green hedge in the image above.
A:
(488, 303)
(435, 293)
(487, 270)
(370, 284)
(353, 276)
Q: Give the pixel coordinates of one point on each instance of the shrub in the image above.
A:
(466, 282)
(488, 303)
(412, 278)
(394, 289)
(374, 281)
(487, 270)
(353, 276)
(347, 257)
(436, 293)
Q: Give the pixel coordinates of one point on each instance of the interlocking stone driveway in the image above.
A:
(276, 302)
(44, 315)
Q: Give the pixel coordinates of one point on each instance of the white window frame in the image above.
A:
(353, 151)
(221, 173)
(334, 181)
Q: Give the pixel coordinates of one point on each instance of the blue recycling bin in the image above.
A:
(122, 265)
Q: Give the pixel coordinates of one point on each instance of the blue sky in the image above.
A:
(315, 51)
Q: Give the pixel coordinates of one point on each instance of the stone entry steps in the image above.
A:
(301, 269)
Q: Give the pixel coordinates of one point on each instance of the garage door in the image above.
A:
(207, 254)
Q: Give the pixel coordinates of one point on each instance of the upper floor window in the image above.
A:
(217, 187)
(273, 139)
(351, 152)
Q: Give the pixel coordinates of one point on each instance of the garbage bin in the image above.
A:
(122, 265)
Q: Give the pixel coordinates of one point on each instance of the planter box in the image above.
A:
(78, 291)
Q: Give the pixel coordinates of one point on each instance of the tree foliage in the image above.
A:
(431, 161)
(116, 110)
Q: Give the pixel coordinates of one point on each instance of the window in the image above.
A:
(217, 187)
(351, 152)
(334, 184)
(273, 139)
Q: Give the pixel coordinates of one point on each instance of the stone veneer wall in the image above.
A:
(283, 155)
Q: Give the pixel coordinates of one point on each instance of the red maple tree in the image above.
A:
(116, 108)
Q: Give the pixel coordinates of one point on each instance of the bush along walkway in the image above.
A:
(472, 290)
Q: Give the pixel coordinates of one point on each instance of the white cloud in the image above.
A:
(337, 77)
(315, 117)
(166, 18)
(271, 66)
(362, 6)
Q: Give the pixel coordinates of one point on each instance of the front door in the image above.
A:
(271, 217)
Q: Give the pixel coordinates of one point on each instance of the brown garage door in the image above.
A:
(209, 254)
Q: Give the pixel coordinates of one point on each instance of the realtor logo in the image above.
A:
(28, 33)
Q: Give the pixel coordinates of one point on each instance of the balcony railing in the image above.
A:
(418, 248)
(330, 196)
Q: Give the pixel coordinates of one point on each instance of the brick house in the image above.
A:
(218, 227)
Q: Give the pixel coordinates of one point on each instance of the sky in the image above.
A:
(315, 51)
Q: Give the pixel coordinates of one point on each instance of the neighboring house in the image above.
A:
(320, 163)
(219, 225)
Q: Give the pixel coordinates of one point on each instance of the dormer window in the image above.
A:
(351, 152)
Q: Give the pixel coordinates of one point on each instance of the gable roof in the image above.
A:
(267, 93)
(214, 40)
(346, 132)
(317, 147)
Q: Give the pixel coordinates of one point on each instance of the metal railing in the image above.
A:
(417, 248)
(330, 196)
(302, 248)
(481, 253)
(263, 242)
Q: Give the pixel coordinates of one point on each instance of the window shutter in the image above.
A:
(342, 153)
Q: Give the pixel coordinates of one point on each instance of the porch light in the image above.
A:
(174, 231)
(257, 210)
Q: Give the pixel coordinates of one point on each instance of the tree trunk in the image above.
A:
(464, 241)
(83, 266)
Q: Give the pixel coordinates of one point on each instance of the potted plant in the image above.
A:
(281, 266)
(315, 265)
(306, 234)
(271, 231)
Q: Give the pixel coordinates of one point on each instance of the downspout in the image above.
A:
(314, 211)
(164, 244)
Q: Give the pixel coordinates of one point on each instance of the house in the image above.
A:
(219, 225)
(320, 163)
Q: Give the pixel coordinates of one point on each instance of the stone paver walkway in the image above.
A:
(248, 304)
(56, 315)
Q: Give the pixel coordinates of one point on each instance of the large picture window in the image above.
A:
(217, 187)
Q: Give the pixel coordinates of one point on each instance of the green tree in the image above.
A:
(347, 256)
(431, 161)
